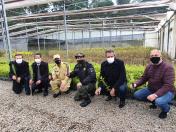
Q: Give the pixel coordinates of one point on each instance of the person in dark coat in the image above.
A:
(112, 81)
(85, 72)
(40, 76)
(19, 73)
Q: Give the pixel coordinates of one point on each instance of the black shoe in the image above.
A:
(27, 94)
(32, 91)
(122, 104)
(67, 92)
(108, 98)
(45, 94)
(152, 106)
(85, 103)
(39, 91)
(163, 115)
(56, 95)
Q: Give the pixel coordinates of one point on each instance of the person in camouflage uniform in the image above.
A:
(85, 72)
(60, 82)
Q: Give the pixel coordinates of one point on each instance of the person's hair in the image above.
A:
(109, 51)
(38, 54)
(18, 54)
(79, 55)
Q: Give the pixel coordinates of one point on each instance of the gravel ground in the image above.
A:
(45, 114)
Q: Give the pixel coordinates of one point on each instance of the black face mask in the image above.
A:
(155, 60)
(58, 61)
(81, 61)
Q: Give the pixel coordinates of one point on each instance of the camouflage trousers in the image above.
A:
(85, 91)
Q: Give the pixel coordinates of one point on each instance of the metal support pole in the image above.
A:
(57, 37)
(44, 43)
(4, 41)
(110, 37)
(73, 41)
(38, 40)
(89, 33)
(82, 38)
(103, 33)
(65, 29)
(6, 30)
(27, 37)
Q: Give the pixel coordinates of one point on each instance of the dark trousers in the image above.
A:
(120, 91)
(43, 86)
(85, 91)
(18, 87)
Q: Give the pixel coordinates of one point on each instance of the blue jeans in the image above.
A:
(162, 102)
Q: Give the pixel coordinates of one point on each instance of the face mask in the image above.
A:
(155, 60)
(38, 60)
(110, 60)
(19, 61)
(58, 61)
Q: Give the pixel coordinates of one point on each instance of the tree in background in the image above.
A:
(101, 3)
(120, 2)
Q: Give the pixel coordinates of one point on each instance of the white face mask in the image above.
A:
(19, 61)
(110, 60)
(38, 60)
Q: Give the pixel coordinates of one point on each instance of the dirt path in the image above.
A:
(45, 114)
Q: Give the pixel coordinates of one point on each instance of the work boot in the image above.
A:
(163, 115)
(45, 94)
(108, 98)
(56, 95)
(84, 103)
(122, 103)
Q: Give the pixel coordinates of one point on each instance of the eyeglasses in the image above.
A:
(78, 57)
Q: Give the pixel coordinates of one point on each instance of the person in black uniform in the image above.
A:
(87, 80)
(112, 81)
(19, 73)
(40, 79)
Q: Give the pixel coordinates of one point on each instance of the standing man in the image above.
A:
(19, 73)
(40, 75)
(87, 79)
(60, 81)
(113, 80)
(160, 90)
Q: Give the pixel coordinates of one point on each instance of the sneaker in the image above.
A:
(163, 115)
(56, 95)
(108, 98)
(85, 103)
(122, 104)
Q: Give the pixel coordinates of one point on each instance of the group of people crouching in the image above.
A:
(112, 81)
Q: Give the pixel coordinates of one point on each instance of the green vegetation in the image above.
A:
(135, 59)
(133, 71)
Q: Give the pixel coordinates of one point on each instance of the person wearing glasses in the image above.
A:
(86, 75)
(160, 90)
(112, 80)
